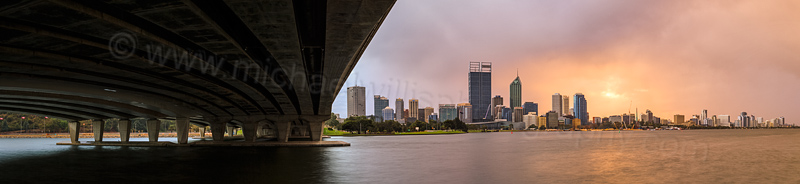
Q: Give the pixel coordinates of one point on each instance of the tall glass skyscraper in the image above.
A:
(379, 104)
(516, 94)
(480, 90)
(557, 104)
(530, 107)
(580, 108)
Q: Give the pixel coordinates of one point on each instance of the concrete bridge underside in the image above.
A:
(270, 67)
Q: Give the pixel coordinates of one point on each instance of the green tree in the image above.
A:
(357, 123)
(333, 122)
(419, 124)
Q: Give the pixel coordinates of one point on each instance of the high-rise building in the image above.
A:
(704, 116)
(433, 117)
(480, 89)
(388, 113)
(649, 116)
(447, 112)
(421, 115)
(518, 114)
(406, 113)
(557, 106)
(530, 107)
(565, 105)
(399, 107)
(516, 94)
(356, 101)
(413, 105)
(679, 119)
(744, 120)
(465, 112)
(530, 119)
(498, 111)
(724, 120)
(615, 119)
(507, 114)
(714, 121)
(580, 111)
(541, 121)
(379, 103)
(552, 119)
(497, 100)
(428, 111)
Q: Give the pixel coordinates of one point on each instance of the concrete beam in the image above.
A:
(74, 131)
(152, 129)
(183, 130)
(97, 127)
(124, 130)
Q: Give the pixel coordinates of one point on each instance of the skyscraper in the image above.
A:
(557, 104)
(530, 107)
(580, 108)
(421, 115)
(516, 94)
(724, 120)
(379, 104)
(649, 116)
(679, 119)
(496, 100)
(565, 105)
(552, 118)
(517, 114)
(428, 111)
(480, 89)
(465, 112)
(388, 113)
(399, 106)
(413, 105)
(447, 112)
(356, 101)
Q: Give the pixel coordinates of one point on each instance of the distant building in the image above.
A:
(498, 112)
(421, 115)
(388, 113)
(433, 117)
(497, 100)
(528, 107)
(541, 121)
(576, 124)
(428, 111)
(744, 120)
(565, 105)
(530, 119)
(580, 110)
(552, 119)
(447, 112)
(413, 105)
(650, 116)
(516, 94)
(480, 89)
(399, 106)
(615, 119)
(517, 114)
(724, 120)
(507, 114)
(597, 120)
(557, 104)
(679, 119)
(465, 112)
(379, 104)
(704, 117)
(356, 101)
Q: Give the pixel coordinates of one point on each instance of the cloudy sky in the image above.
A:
(672, 57)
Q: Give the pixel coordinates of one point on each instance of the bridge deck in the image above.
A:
(212, 144)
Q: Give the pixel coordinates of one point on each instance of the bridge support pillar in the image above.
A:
(316, 131)
(183, 130)
(202, 132)
(259, 131)
(124, 130)
(230, 129)
(74, 131)
(218, 131)
(284, 129)
(249, 131)
(97, 127)
(152, 129)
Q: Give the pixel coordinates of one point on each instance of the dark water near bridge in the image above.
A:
(697, 156)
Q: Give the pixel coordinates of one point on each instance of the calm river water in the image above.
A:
(696, 156)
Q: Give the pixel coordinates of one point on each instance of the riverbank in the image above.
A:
(91, 135)
(341, 133)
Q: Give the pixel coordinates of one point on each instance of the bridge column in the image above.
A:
(230, 129)
(74, 131)
(183, 130)
(249, 131)
(124, 130)
(202, 132)
(315, 126)
(284, 129)
(218, 131)
(97, 127)
(152, 129)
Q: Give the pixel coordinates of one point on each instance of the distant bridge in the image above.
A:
(268, 66)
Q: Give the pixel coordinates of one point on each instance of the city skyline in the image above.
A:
(651, 57)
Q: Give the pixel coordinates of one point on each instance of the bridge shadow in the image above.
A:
(112, 164)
